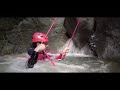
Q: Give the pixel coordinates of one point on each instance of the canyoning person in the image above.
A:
(36, 52)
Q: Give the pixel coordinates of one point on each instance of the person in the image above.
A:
(40, 43)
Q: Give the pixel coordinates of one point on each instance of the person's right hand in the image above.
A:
(40, 47)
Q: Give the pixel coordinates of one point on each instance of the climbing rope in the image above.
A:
(71, 38)
(49, 58)
(69, 41)
(47, 35)
(74, 32)
(51, 26)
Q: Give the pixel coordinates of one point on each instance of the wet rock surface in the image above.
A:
(101, 36)
(82, 33)
(17, 33)
(107, 38)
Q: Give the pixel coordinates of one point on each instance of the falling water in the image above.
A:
(73, 50)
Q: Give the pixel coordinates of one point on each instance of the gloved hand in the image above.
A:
(40, 47)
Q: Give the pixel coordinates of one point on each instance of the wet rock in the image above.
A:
(83, 32)
(8, 23)
(7, 49)
(101, 34)
(107, 38)
(18, 32)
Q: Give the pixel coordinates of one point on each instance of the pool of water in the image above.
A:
(71, 63)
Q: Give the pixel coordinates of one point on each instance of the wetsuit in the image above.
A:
(35, 56)
(33, 59)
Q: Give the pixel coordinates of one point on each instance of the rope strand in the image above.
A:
(74, 32)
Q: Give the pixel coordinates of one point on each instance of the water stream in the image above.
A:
(75, 61)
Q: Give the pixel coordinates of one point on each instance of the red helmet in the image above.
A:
(39, 37)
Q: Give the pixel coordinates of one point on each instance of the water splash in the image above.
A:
(74, 63)
(74, 51)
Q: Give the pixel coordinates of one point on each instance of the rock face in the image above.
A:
(6, 26)
(101, 34)
(16, 33)
(107, 34)
(82, 33)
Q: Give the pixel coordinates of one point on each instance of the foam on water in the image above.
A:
(43, 66)
(18, 63)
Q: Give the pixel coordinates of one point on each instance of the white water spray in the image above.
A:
(74, 51)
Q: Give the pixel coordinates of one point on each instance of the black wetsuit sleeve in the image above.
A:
(33, 58)
(30, 51)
